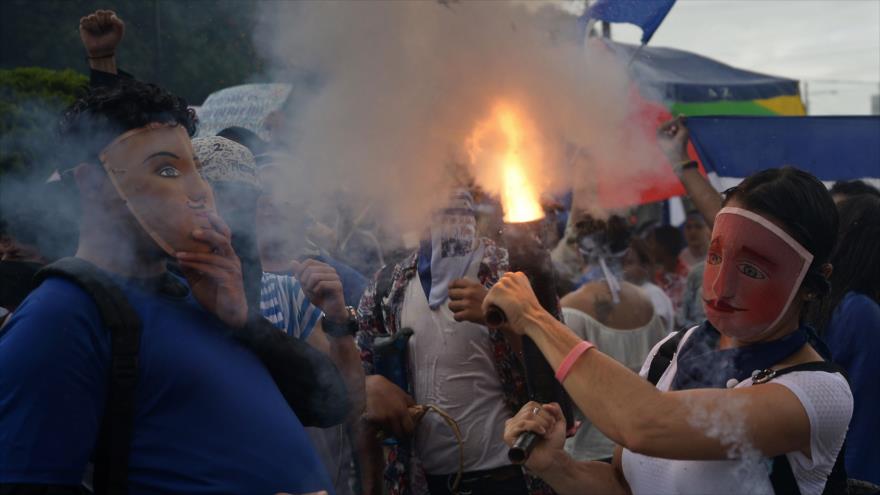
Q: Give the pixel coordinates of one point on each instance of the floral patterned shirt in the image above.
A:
(382, 318)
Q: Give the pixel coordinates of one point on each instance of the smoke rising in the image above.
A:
(727, 424)
(33, 212)
(404, 84)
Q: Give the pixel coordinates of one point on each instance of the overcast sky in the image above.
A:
(832, 44)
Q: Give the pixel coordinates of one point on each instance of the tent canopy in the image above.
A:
(684, 77)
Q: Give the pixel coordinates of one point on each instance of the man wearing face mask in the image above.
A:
(452, 361)
(205, 409)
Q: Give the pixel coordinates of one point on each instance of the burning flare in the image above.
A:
(500, 147)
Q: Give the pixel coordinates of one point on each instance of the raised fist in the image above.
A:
(323, 288)
(672, 136)
(101, 32)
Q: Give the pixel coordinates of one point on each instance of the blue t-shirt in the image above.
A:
(853, 336)
(208, 417)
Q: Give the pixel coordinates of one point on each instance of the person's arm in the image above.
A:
(701, 424)
(101, 33)
(673, 139)
(552, 464)
(54, 365)
(323, 288)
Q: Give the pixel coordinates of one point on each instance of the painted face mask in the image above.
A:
(153, 170)
(753, 272)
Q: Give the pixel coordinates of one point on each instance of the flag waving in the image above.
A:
(647, 14)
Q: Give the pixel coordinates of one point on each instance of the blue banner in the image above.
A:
(831, 148)
(647, 14)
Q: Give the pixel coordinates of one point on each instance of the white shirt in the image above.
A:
(628, 347)
(662, 304)
(454, 370)
(826, 398)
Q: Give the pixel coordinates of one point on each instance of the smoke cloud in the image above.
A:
(404, 84)
(32, 211)
(727, 424)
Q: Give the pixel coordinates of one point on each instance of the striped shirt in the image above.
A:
(284, 304)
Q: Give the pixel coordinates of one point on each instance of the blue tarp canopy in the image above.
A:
(680, 76)
(831, 148)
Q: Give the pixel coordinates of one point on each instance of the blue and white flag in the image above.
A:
(647, 14)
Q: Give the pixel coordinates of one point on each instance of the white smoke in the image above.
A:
(727, 424)
(403, 84)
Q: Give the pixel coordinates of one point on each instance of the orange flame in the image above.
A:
(500, 147)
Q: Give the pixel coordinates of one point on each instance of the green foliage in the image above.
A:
(63, 86)
(190, 47)
(31, 99)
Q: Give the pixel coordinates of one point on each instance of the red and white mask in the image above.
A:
(753, 272)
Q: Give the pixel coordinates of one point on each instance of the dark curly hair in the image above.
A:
(95, 120)
(613, 233)
(670, 239)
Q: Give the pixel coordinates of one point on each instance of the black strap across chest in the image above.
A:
(781, 476)
(114, 439)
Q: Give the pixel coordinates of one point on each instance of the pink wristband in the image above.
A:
(573, 355)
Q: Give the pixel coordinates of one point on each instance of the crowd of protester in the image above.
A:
(203, 332)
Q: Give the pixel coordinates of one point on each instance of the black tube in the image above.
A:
(522, 448)
(495, 317)
(528, 255)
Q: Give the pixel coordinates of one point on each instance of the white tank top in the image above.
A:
(827, 399)
(454, 369)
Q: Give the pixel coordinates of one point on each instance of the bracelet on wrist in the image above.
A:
(109, 55)
(344, 329)
(573, 355)
(684, 165)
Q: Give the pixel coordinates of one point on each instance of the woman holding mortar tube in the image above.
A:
(742, 403)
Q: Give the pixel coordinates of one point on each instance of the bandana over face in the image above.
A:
(753, 272)
(153, 171)
(451, 250)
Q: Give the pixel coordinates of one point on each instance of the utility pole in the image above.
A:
(157, 59)
(806, 98)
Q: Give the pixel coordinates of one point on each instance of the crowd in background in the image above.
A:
(282, 350)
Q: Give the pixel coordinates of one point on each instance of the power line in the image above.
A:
(841, 81)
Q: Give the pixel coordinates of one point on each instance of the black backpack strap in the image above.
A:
(114, 440)
(664, 357)
(826, 366)
(781, 476)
